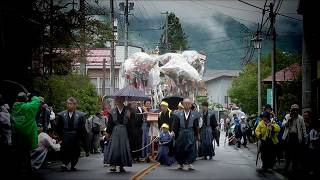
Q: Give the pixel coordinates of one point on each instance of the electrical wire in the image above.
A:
(214, 52)
(229, 7)
(269, 11)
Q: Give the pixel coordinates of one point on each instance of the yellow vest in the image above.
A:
(262, 131)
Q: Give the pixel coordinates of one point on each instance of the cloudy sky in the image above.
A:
(205, 23)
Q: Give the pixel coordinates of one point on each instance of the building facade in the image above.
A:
(218, 83)
(94, 67)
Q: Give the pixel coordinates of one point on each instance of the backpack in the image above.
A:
(89, 124)
(95, 124)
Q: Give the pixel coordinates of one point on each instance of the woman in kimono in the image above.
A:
(207, 131)
(145, 129)
(119, 154)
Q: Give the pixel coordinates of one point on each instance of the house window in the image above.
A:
(94, 81)
(108, 86)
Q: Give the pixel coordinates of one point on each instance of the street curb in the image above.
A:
(145, 171)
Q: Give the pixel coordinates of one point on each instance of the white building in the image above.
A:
(218, 83)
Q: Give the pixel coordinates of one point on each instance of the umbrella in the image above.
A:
(173, 101)
(237, 112)
(131, 93)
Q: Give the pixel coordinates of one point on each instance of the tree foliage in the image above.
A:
(57, 89)
(59, 28)
(244, 89)
(177, 38)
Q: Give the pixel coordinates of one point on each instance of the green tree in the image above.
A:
(177, 39)
(244, 90)
(57, 89)
(60, 29)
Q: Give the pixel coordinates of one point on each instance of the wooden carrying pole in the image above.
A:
(153, 119)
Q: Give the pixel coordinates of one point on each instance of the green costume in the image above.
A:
(24, 124)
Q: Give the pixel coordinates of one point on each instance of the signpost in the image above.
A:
(269, 97)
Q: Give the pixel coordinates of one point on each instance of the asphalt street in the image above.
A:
(229, 163)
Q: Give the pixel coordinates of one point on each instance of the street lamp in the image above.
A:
(257, 43)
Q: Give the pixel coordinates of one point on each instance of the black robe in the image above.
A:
(73, 134)
(186, 131)
(119, 153)
(135, 132)
(207, 134)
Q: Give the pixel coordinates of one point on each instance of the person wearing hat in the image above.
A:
(266, 132)
(164, 142)
(294, 133)
(186, 130)
(166, 116)
(267, 108)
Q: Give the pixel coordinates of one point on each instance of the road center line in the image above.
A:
(145, 171)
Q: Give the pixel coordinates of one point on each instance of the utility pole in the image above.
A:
(82, 38)
(51, 38)
(273, 58)
(166, 41)
(257, 42)
(259, 80)
(112, 71)
(103, 91)
(126, 14)
(167, 22)
(310, 96)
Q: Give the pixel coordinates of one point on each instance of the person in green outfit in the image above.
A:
(24, 131)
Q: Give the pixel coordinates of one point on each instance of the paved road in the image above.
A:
(229, 163)
(88, 168)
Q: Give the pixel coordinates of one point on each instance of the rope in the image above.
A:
(146, 145)
(151, 143)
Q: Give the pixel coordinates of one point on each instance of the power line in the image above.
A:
(153, 6)
(229, 7)
(242, 19)
(269, 11)
(279, 6)
(226, 50)
(148, 29)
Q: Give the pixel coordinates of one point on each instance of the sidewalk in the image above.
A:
(279, 166)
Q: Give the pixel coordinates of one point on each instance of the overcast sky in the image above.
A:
(189, 10)
(200, 13)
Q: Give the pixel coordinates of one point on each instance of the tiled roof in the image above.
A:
(289, 73)
(213, 74)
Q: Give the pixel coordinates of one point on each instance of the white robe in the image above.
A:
(45, 143)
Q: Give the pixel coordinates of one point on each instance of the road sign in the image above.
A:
(269, 96)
